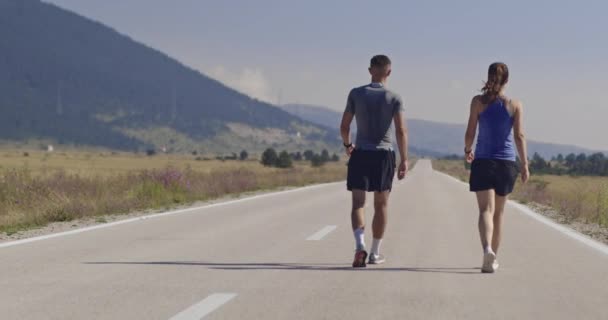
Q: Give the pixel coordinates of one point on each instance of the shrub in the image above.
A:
(284, 160)
(244, 155)
(269, 157)
(317, 161)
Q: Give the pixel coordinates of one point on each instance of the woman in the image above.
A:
(494, 169)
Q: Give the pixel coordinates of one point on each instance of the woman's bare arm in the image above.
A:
(520, 139)
(469, 136)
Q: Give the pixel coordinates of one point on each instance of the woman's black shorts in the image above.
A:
(487, 174)
(371, 170)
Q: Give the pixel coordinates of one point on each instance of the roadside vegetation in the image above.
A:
(270, 158)
(576, 197)
(37, 188)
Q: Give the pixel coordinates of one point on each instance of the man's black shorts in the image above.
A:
(487, 174)
(371, 170)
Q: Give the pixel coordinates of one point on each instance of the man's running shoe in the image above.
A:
(359, 261)
(376, 259)
(488, 262)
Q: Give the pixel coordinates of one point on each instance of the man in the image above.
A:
(371, 166)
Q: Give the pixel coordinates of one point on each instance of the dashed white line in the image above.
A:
(205, 307)
(321, 233)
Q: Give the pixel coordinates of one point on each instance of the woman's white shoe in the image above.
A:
(489, 259)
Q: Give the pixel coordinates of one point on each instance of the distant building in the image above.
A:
(50, 148)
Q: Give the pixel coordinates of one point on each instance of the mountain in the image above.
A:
(428, 138)
(71, 80)
(449, 138)
(316, 114)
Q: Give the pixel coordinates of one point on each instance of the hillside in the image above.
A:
(68, 79)
(428, 138)
(316, 114)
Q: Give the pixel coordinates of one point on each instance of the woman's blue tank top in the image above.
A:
(495, 139)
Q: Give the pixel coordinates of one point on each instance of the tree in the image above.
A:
(244, 155)
(298, 156)
(570, 159)
(284, 160)
(335, 158)
(581, 157)
(596, 163)
(560, 158)
(269, 157)
(538, 164)
(308, 155)
(325, 155)
(596, 157)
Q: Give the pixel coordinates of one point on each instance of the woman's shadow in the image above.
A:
(294, 266)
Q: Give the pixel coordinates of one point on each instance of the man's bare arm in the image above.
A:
(347, 119)
(401, 132)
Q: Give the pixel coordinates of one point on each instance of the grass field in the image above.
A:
(582, 199)
(110, 163)
(39, 188)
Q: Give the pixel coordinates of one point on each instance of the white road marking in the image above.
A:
(561, 228)
(205, 307)
(601, 247)
(321, 233)
(158, 215)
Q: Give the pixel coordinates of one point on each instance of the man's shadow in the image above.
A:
(293, 266)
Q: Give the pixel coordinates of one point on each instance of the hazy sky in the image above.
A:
(314, 51)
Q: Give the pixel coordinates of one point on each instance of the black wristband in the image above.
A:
(347, 145)
(467, 152)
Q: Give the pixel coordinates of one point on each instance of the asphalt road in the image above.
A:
(288, 255)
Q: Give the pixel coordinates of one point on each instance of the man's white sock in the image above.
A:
(376, 246)
(360, 238)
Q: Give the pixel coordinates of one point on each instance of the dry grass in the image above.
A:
(43, 188)
(582, 199)
(454, 168)
(110, 163)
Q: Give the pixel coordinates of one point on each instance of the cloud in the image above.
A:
(250, 81)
